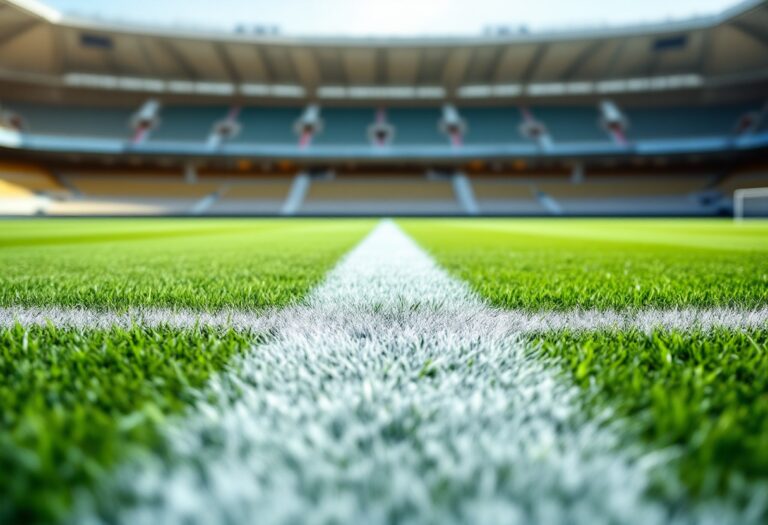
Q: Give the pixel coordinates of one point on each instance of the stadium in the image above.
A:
(512, 277)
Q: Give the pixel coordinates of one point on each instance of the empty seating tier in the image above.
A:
(412, 126)
(30, 177)
(142, 186)
(757, 178)
(623, 186)
(361, 195)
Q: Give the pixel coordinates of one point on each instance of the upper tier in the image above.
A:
(414, 126)
(46, 55)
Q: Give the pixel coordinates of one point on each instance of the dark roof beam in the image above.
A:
(422, 71)
(147, 56)
(455, 69)
(226, 62)
(492, 72)
(751, 32)
(615, 59)
(17, 31)
(381, 67)
(704, 52)
(533, 64)
(581, 59)
(266, 64)
(180, 59)
(303, 66)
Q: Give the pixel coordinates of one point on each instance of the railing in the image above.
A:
(88, 145)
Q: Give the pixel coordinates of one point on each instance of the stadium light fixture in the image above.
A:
(660, 83)
(120, 83)
(380, 92)
(200, 88)
(546, 89)
(272, 90)
(88, 80)
(140, 84)
(111, 82)
(432, 92)
(185, 87)
(486, 91)
(214, 88)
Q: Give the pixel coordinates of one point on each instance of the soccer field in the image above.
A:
(361, 371)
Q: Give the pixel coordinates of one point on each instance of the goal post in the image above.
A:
(743, 196)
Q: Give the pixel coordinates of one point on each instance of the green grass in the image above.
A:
(73, 404)
(704, 394)
(539, 264)
(171, 263)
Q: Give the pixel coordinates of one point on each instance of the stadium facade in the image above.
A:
(655, 119)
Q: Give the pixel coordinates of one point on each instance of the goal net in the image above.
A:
(750, 203)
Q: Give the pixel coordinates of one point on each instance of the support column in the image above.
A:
(190, 173)
(577, 173)
(298, 193)
(462, 188)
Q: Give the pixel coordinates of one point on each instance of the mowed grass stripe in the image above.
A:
(115, 237)
(706, 234)
(239, 264)
(565, 265)
(74, 404)
(701, 395)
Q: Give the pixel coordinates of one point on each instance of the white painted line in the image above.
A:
(517, 322)
(395, 395)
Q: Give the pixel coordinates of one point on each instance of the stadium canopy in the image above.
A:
(43, 49)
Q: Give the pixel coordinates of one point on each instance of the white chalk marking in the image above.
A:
(514, 321)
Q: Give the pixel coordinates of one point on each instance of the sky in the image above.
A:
(391, 17)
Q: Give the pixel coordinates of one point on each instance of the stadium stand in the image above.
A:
(658, 123)
(345, 126)
(648, 119)
(268, 125)
(260, 196)
(754, 177)
(137, 186)
(77, 121)
(26, 189)
(362, 194)
(493, 125)
(348, 126)
(30, 177)
(184, 123)
(503, 196)
(417, 126)
(644, 194)
(572, 124)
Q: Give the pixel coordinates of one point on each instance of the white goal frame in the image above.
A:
(740, 195)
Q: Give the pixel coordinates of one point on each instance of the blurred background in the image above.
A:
(395, 108)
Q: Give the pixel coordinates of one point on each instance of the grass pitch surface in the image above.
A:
(72, 404)
(201, 264)
(75, 403)
(701, 393)
(540, 264)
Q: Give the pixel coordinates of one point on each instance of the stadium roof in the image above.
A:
(39, 45)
